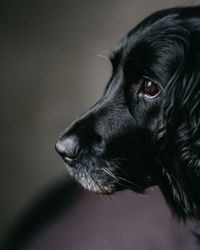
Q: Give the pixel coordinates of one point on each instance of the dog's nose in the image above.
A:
(68, 148)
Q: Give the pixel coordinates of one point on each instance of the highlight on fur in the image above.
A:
(145, 130)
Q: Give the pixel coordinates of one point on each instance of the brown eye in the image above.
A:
(151, 89)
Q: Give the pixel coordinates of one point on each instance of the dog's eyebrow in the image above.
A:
(112, 57)
(115, 58)
(115, 53)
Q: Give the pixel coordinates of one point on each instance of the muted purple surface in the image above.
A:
(125, 221)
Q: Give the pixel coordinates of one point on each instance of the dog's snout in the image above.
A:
(68, 148)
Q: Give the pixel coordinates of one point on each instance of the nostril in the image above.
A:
(60, 148)
(68, 148)
(71, 147)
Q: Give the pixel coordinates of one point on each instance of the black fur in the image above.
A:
(127, 140)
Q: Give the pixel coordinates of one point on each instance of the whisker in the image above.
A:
(118, 178)
(110, 173)
(104, 56)
(123, 179)
(132, 183)
(115, 178)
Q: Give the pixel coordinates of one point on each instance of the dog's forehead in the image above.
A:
(153, 54)
(153, 49)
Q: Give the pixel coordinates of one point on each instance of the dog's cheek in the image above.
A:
(145, 113)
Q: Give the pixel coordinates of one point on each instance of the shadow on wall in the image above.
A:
(66, 218)
(40, 214)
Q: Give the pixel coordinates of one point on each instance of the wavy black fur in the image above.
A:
(127, 140)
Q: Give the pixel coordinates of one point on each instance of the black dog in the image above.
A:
(145, 130)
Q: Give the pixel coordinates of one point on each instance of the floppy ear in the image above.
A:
(179, 136)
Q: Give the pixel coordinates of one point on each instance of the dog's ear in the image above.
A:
(178, 137)
(179, 128)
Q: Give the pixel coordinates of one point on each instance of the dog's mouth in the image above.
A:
(93, 181)
(68, 160)
(109, 170)
(100, 175)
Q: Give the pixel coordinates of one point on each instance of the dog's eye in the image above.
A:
(150, 89)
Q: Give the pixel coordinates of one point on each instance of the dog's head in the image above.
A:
(144, 130)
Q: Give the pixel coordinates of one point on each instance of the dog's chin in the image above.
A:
(93, 182)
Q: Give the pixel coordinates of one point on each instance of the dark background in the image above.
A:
(52, 69)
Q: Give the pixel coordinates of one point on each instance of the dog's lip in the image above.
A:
(68, 160)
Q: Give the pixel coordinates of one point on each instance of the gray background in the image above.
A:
(52, 69)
